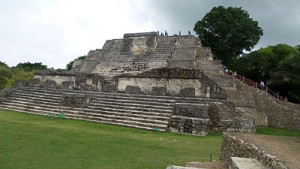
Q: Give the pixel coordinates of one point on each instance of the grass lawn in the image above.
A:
(277, 131)
(33, 141)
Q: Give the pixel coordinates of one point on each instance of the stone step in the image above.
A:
(98, 120)
(108, 108)
(134, 96)
(55, 96)
(99, 98)
(156, 128)
(30, 101)
(43, 92)
(35, 99)
(36, 94)
(118, 116)
(245, 163)
(83, 116)
(115, 94)
(143, 116)
(149, 98)
(132, 101)
(133, 110)
(131, 106)
(105, 110)
(138, 120)
(157, 103)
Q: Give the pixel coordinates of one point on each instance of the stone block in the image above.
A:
(188, 125)
(159, 91)
(133, 90)
(109, 87)
(67, 85)
(187, 92)
(34, 82)
(76, 100)
(192, 110)
(20, 83)
(245, 163)
(4, 93)
(87, 87)
(50, 84)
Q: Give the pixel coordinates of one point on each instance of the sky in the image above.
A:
(56, 32)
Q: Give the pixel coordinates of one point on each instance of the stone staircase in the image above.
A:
(145, 112)
(237, 93)
(132, 110)
(166, 45)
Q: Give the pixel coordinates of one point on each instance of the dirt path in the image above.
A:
(287, 149)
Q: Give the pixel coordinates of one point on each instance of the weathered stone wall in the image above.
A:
(235, 147)
(264, 108)
(20, 83)
(140, 52)
(184, 53)
(224, 117)
(77, 100)
(4, 93)
(278, 113)
(68, 80)
(133, 54)
(174, 82)
(173, 87)
(190, 118)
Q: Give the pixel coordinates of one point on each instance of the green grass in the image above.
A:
(277, 131)
(33, 141)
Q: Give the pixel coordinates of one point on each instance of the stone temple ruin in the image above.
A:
(151, 82)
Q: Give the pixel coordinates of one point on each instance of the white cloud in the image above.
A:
(56, 32)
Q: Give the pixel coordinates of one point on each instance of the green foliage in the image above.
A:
(228, 31)
(288, 74)
(2, 64)
(258, 64)
(70, 64)
(3, 82)
(33, 141)
(23, 71)
(27, 66)
(5, 75)
(277, 131)
(277, 65)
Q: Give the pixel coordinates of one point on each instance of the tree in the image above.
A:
(258, 64)
(27, 66)
(228, 31)
(23, 71)
(278, 66)
(287, 78)
(4, 75)
(70, 64)
(3, 64)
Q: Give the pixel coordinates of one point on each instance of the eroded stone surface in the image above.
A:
(176, 67)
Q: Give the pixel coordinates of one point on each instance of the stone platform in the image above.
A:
(151, 82)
